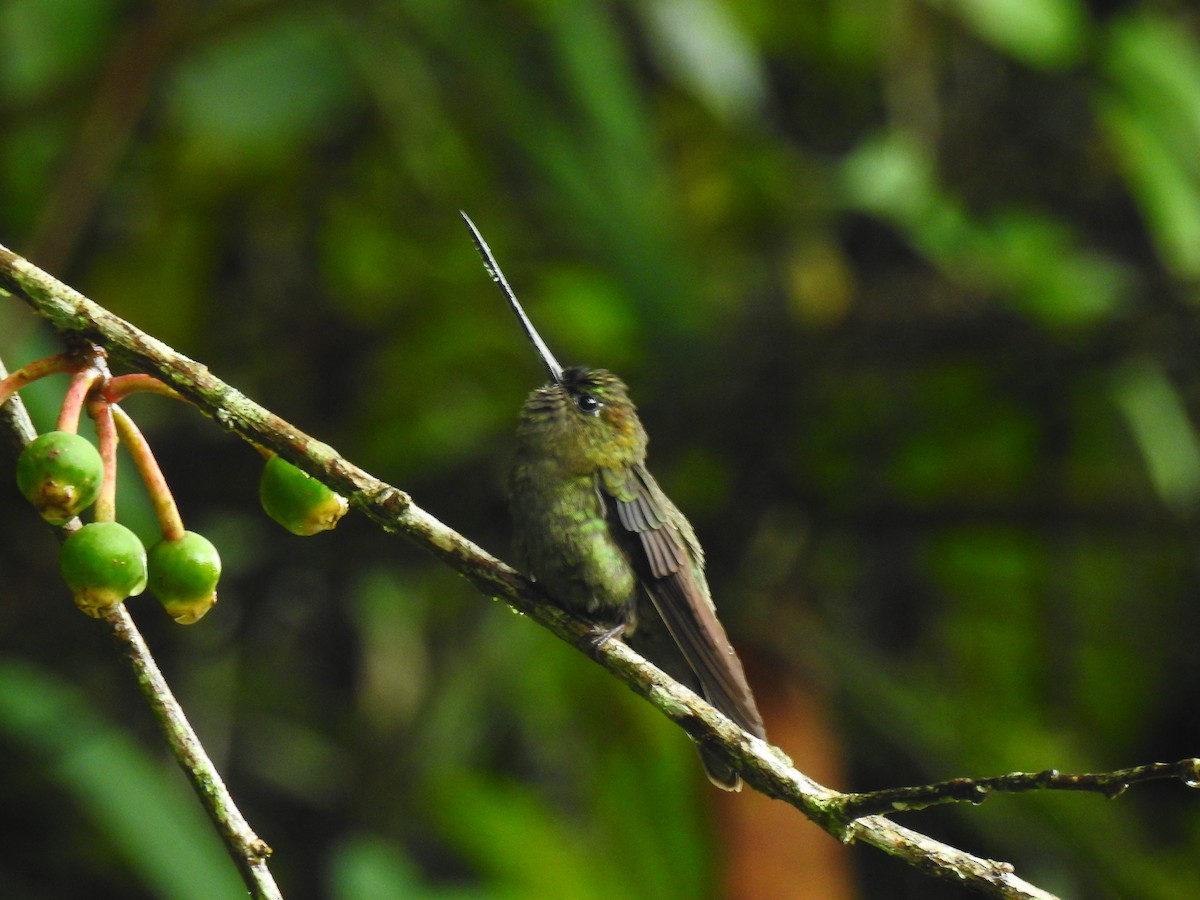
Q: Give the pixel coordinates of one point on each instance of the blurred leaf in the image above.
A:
(47, 41)
(362, 257)
(1049, 33)
(1152, 117)
(250, 98)
(1033, 261)
(368, 868)
(521, 846)
(968, 442)
(29, 156)
(821, 283)
(1051, 277)
(892, 175)
(1160, 425)
(365, 867)
(1168, 194)
(987, 638)
(585, 313)
(703, 45)
(1156, 65)
(143, 809)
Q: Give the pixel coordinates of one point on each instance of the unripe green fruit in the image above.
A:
(60, 474)
(183, 575)
(299, 503)
(103, 563)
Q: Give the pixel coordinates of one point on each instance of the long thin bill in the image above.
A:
(493, 269)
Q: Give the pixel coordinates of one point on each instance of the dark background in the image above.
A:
(907, 293)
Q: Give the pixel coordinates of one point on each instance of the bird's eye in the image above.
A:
(588, 404)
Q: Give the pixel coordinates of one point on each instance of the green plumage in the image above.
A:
(594, 528)
(559, 498)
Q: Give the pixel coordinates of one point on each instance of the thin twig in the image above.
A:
(976, 790)
(15, 423)
(248, 850)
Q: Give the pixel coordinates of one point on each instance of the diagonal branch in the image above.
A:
(764, 767)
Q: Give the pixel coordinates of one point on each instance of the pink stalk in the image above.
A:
(122, 386)
(135, 442)
(51, 365)
(81, 385)
(106, 438)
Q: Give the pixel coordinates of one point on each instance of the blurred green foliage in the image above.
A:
(907, 291)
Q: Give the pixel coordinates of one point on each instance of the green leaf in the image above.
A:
(1044, 33)
(138, 805)
(259, 93)
(1160, 425)
(1151, 115)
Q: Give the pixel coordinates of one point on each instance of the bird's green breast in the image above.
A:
(563, 537)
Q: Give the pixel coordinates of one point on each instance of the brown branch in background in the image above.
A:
(122, 92)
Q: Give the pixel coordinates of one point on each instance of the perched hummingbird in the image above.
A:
(595, 529)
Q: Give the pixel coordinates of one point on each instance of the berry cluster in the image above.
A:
(62, 474)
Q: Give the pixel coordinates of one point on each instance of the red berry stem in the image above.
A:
(51, 365)
(122, 386)
(82, 383)
(135, 442)
(106, 439)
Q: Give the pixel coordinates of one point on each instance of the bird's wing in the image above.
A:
(667, 557)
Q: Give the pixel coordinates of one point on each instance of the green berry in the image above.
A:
(103, 563)
(183, 575)
(299, 503)
(60, 474)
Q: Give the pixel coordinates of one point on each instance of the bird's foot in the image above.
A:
(602, 634)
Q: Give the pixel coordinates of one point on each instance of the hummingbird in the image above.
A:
(592, 526)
